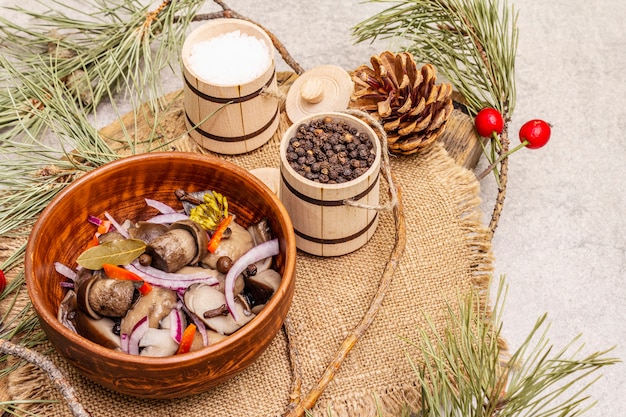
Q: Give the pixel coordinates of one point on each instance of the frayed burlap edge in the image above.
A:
(465, 191)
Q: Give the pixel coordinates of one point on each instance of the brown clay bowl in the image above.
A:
(119, 187)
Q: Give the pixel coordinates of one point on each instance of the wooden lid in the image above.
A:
(321, 89)
(270, 177)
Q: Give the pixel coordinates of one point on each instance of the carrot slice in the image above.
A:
(219, 232)
(104, 227)
(117, 272)
(187, 339)
(93, 242)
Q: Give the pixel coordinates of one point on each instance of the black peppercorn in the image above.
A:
(329, 151)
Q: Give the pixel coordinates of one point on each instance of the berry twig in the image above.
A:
(54, 373)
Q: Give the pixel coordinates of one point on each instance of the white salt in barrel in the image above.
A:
(323, 223)
(230, 99)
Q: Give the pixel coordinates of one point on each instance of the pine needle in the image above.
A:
(473, 43)
(465, 372)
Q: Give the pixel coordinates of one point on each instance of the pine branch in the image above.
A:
(466, 371)
(473, 43)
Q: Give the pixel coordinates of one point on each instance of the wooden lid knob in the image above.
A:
(312, 91)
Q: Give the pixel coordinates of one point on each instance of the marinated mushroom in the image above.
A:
(239, 242)
(99, 331)
(239, 282)
(147, 231)
(260, 232)
(184, 243)
(106, 296)
(67, 310)
(155, 305)
(261, 286)
(214, 337)
(110, 236)
(203, 298)
(157, 342)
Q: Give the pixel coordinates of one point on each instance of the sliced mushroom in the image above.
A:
(67, 310)
(214, 337)
(198, 342)
(239, 242)
(261, 286)
(147, 231)
(110, 236)
(203, 298)
(184, 243)
(260, 232)
(82, 297)
(157, 342)
(156, 305)
(99, 331)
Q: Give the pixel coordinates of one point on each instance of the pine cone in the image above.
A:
(410, 106)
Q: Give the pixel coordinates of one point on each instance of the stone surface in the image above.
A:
(561, 241)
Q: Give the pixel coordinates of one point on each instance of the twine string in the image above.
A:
(385, 165)
(273, 93)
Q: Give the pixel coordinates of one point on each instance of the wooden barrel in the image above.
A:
(323, 223)
(230, 119)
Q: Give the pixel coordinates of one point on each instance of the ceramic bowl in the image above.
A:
(119, 188)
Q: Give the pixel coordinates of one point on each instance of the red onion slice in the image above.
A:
(135, 336)
(168, 218)
(160, 206)
(172, 281)
(257, 253)
(124, 339)
(94, 220)
(121, 229)
(65, 270)
(176, 325)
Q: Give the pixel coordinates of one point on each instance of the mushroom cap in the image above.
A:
(111, 297)
(183, 244)
(147, 231)
(199, 234)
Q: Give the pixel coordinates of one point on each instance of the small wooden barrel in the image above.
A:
(230, 119)
(323, 223)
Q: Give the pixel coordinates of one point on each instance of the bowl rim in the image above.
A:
(52, 321)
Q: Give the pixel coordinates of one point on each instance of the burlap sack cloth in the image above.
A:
(448, 252)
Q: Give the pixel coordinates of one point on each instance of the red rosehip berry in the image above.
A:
(3, 281)
(535, 132)
(488, 121)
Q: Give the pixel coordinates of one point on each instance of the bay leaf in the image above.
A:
(116, 252)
